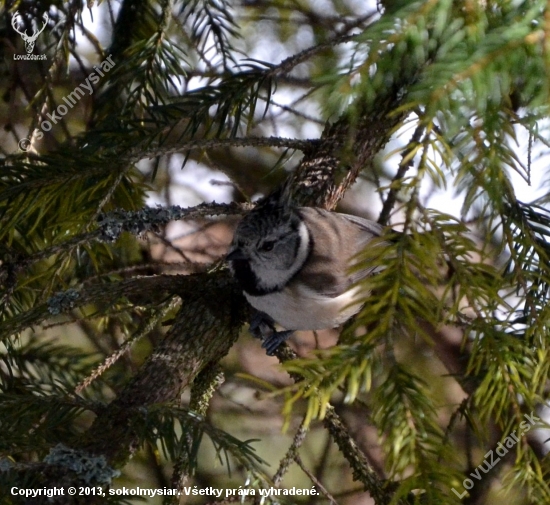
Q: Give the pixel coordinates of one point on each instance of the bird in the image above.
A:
(293, 264)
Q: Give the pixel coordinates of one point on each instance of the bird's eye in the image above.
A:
(267, 245)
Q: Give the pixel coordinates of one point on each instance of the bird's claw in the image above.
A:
(272, 342)
(263, 327)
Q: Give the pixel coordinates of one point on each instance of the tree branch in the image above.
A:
(183, 147)
(213, 311)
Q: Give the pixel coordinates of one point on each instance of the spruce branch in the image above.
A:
(211, 20)
(207, 381)
(471, 75)
(126, 345)
(112, 224)
(381, 491)
(205, 328)
(104, 295)
(291, 453)
(186, 146)
(347, 147)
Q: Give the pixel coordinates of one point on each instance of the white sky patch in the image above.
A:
(539, 175)
(543, 434)
(196, 183)
(94, 20)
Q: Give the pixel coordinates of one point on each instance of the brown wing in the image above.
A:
(370, 229)
(339, 236)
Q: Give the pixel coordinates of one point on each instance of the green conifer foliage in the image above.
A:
(120, 367)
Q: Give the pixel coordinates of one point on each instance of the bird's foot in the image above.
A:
(274, 340)
(263, 327)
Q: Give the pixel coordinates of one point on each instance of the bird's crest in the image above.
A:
(279, 200)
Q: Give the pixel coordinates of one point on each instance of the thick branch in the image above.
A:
(346, 148)
(206, 327)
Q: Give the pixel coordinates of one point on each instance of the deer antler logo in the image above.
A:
(29, 39)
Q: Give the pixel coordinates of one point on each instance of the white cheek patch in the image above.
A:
(303, 250)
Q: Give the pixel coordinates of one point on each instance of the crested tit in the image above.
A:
(293, 265)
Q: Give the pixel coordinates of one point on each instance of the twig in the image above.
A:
(113, 358)
(406, 163)
(313, 479)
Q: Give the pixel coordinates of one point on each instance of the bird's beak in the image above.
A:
(236, 254)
